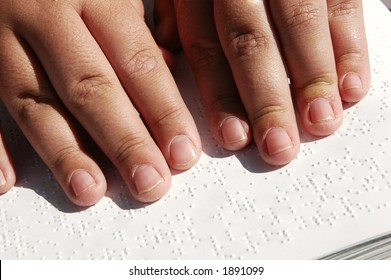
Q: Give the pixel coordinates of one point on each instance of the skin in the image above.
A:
(70, 67)
(72, 64)
(242, 53)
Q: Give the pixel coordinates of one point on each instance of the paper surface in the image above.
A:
(230, 205)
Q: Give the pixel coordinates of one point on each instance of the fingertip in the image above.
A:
(282, 158)
(86, 188)
(154, 195)
(322, 116)
(148, 184)
(353, 87)
(279, 147)
(7, 180)
(7, 171)
(234, 133)
(183, 152)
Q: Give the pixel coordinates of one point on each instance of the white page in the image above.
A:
(230, 205)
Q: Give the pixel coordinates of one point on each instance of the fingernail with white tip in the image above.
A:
(277, 141)
(146, 178)
(81, 181)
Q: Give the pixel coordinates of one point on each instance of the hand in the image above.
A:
(242, 53)
(73, 65)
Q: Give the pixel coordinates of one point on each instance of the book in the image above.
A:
(375, 248)
(333, 201)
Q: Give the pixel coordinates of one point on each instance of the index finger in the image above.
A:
(140, 66)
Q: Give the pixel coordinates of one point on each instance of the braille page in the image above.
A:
(230, 205)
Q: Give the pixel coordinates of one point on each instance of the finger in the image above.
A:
(346, 21)
(166, 30)
(169, 58)
(88, 86)
(31, 101)
(140, 66)
(165, 46)
(7, 172)
(212, 71)
(138, 6)
(305, 39)
(250, 46)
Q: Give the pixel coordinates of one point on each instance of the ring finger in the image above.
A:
(304, 32)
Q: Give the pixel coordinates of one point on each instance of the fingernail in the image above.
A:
(277, 141)
(321, 110)
(182, 150)
(233, 131)
(351, 81)
(146, 178)
(81, 181)
(3, 181)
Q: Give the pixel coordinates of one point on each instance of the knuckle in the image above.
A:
(267, 113)
(89, 89)
(351, 55)
(244, 45)
(62, 155)
(140, 64)
(127, 147)
(343, 8)
(302, 14)
(203, 56)
(30, 103)
(318, 81)
(222, 101)
(170, 115)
